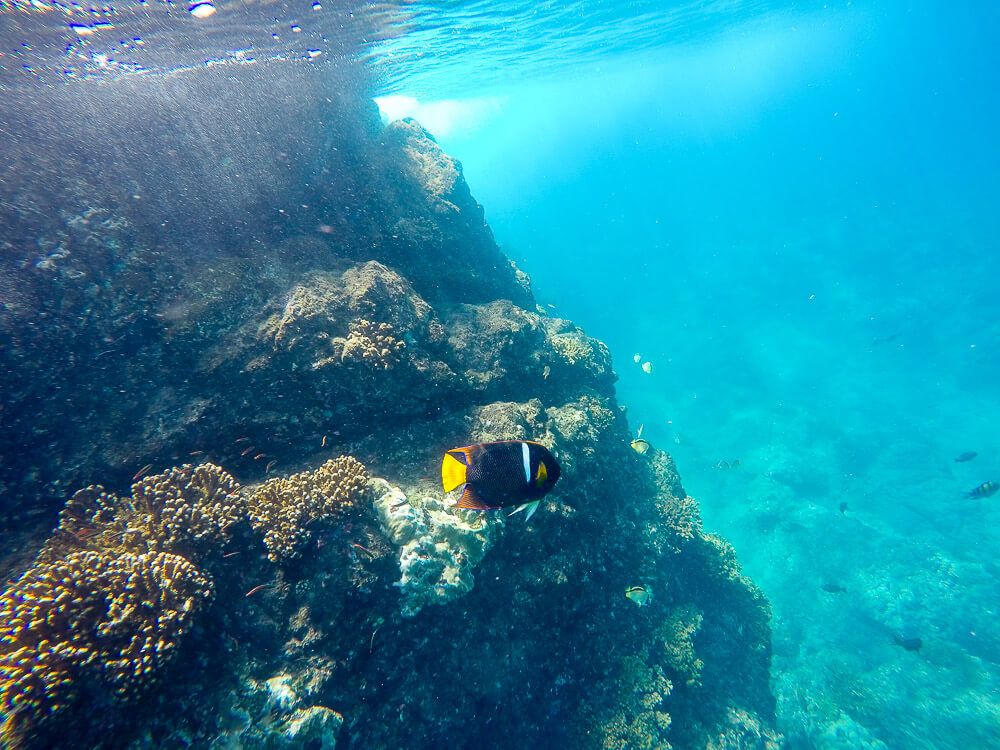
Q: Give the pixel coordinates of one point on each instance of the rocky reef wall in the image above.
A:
(244, 268)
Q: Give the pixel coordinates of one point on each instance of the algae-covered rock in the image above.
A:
(349, 301)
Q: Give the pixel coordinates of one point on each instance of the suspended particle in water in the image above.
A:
(201, 10)
(296, 28)
(317, 6)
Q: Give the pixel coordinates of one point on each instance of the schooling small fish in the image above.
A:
(843, 508)
(647, 367)
(961, 458)
(984, 490)
(641, 595)
(833, 588)
(637, 358)
(500, 474)
(910, 644)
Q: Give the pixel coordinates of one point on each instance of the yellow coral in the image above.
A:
(373, 344)
(572, 347)
(634, 715)
(185, 509)
(112, 593)
(281, 508)
(677, 636)
(682, 515)
(93, 616)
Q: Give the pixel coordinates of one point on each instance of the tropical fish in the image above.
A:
(500, 474)
(843, 508)
(641, 595)
(961, 458)
(984, 490)
(639, 445)
(637, 358)
(647, 367)
(833, 588)
(910, 644)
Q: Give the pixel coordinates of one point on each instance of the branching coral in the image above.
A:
(281, 508)
(573, 347)
(634, 715)
(182, 510)
(187, 506)
(94, 616)
(372, 344)
(111, 595)
(682, 515)
(677, 636)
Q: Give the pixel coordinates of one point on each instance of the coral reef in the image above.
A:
(635, 714)
(372, 344)
(438, 550)
(109, 599)
(350, 300)
(185, 509)
(281, 508)
(94, 616)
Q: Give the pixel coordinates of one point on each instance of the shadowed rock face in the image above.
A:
(264, 279)
(153, 229)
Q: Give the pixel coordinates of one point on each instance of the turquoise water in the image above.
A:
(789, 210)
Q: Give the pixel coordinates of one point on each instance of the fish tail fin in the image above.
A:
(453, 469)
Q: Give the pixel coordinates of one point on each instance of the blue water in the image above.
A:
(790, 211)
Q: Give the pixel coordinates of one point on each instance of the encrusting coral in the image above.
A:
(113, 592)
(438, 550)
(281, 507)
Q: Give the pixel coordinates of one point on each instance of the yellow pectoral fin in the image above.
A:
(452, 472)
(541, 475)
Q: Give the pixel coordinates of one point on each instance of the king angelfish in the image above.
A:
(500, 475)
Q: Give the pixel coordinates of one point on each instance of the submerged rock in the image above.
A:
(299, 603)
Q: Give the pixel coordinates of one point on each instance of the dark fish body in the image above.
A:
(833, 588)
(986, 489)
(961, 458)
(843, 508)
(500, 474)
(910, 644)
